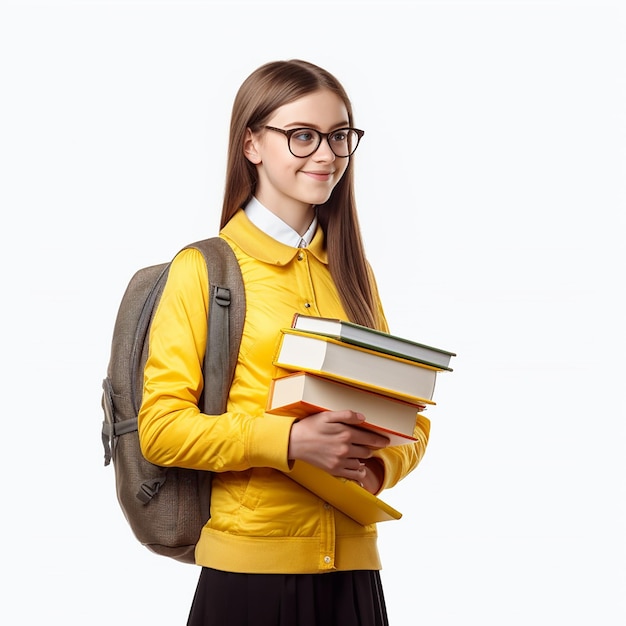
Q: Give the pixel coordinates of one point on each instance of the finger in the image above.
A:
(345, 417)
(369, 439)
(366, 437)
(355, 465)
(357, 475)
(362, 452)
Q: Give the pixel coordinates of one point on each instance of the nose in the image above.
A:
(324, 151)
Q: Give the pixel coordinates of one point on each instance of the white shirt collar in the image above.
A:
(273, 226)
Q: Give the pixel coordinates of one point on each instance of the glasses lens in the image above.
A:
(344, 141)
(304, 142)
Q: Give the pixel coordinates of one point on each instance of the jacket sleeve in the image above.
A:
(172, 429)
(399, 461)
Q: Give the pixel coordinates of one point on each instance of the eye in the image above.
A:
(339, 136)
(304, 135)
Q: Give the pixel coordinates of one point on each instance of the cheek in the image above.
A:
(341, 170)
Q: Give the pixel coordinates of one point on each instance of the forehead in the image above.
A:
(318, 109)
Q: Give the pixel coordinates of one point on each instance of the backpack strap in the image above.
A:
(227, 310)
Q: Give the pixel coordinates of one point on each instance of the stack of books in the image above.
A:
(334, 365)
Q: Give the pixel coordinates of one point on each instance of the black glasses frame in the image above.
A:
(291, 131)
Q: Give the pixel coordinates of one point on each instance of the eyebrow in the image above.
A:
(343, 124)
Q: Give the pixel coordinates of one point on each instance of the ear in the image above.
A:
(250, 148)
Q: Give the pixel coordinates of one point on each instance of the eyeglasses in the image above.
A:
(303, 142)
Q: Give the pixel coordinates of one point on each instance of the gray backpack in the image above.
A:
(166, 508)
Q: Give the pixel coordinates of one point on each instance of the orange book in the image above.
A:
(301, 394)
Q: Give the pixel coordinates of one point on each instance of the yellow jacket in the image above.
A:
(261, 520)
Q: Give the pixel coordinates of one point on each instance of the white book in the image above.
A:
(354, 365)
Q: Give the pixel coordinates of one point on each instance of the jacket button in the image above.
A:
(307, 305)
(327, 559)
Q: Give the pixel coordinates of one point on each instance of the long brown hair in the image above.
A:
(269, 87)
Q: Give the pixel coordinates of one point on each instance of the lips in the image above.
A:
(321, 176)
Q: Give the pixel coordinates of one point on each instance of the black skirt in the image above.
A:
(332, 599)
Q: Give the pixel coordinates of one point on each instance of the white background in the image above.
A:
(492, 188)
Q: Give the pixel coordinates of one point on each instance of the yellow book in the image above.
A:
(345, 495)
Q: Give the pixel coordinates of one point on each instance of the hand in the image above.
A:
(374, 475)
(331, 441)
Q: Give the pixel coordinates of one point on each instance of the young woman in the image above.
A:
(274, 554)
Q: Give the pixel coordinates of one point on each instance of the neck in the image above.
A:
(298, 217)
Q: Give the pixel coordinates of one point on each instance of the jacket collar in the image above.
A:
(254, 242)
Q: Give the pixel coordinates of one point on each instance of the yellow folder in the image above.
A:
(345, 495)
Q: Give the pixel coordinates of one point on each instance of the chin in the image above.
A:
(318, 199)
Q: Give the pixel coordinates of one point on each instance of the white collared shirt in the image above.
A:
(273, 226)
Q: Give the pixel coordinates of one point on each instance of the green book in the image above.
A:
(377, 340)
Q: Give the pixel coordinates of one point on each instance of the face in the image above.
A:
(290, 186)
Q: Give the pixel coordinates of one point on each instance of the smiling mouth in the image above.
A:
(319, 175)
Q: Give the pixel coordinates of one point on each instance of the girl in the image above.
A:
(274, 554)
